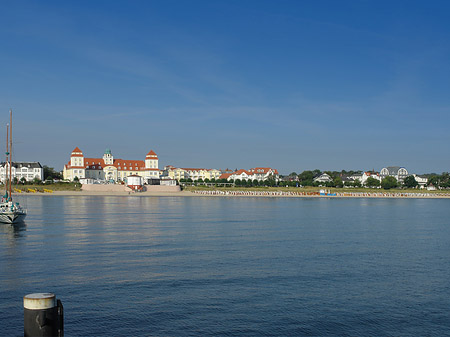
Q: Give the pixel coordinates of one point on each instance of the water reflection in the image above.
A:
(14, 231)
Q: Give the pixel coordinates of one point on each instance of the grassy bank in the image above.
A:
(39, 188)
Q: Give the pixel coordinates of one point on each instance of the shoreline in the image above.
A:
(246, 194)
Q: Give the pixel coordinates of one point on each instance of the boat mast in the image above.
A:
(10, 153)
(7, 159)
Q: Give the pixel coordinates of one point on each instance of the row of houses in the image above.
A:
(399, 173)
(257, 173)
(195, 174)
(114, 170)
(111, 169)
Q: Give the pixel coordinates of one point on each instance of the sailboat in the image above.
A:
(10, 212)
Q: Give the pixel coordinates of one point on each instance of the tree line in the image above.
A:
(306, 178)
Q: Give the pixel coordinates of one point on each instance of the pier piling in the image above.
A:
(43, 316)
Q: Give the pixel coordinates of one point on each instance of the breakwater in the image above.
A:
(243, 193)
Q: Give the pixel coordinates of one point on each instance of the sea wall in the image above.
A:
(123, 188)
(161, 188)
(104, 188)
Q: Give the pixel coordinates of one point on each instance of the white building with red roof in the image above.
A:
(257, 173)
(109, 168)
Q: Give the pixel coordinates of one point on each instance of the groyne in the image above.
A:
(243, 193)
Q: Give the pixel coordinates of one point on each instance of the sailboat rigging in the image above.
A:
(10, 212)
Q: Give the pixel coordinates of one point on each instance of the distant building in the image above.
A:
(370, 174)
(257, 173)
(421, 180)
(399, 173)
(323, 178)
(195, 174)
(27, 170)
(168, 182)
(348, 179)
(109, 168)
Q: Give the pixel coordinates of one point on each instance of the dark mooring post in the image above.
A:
(43, 316)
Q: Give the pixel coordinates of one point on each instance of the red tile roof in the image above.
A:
(151, 154)
(239, 172)
(99, 164)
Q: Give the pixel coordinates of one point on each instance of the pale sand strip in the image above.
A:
(115, 193)
(271, 194)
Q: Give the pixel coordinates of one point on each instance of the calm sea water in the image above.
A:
(174, 266)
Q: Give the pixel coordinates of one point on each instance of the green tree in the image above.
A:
(337, 182)
(410, 182)
(23, 181)
(445, 180)
(357, 183)
(433, 180)
(271, 181)
(306, 178)
(76, 179)
(372, 182)
(49, 172)
(389, 182)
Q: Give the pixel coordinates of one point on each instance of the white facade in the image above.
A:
(178, 173)
(168, 182)
(370, 174)
(27, 170)
(257, 173)
(399, 173)
(422, 181)
(134, 181)
(323, 178)
(109, 168)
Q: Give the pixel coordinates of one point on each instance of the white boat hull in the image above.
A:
(12, 217)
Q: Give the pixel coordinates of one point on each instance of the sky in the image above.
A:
(292, 85)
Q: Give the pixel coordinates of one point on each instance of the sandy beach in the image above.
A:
(115, 193)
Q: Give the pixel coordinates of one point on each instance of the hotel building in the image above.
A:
(109, 168)
(22, 170)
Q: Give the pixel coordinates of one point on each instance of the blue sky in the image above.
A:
(293, 85)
